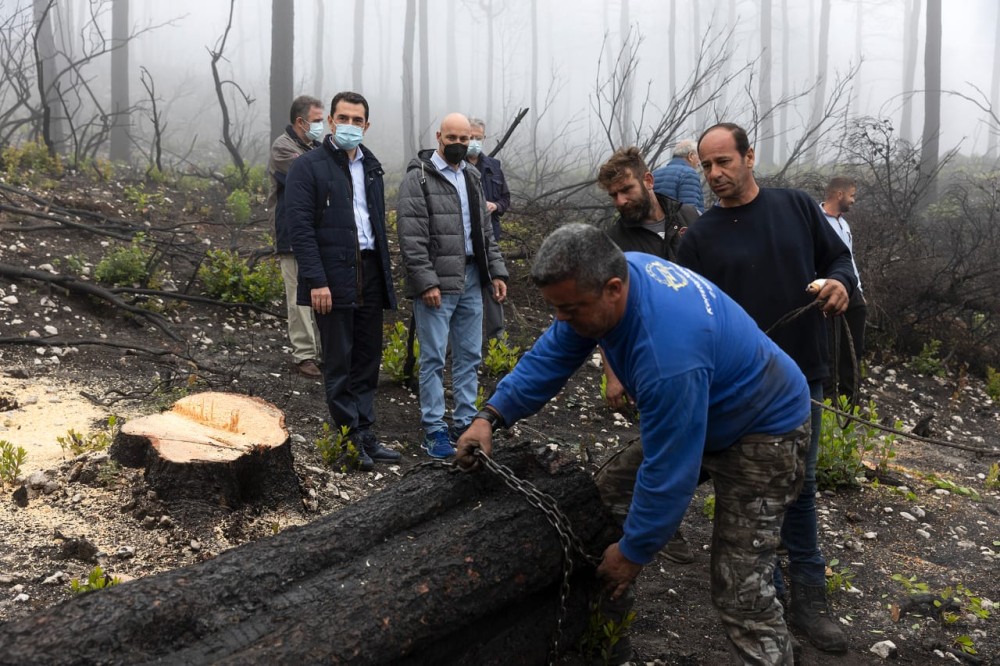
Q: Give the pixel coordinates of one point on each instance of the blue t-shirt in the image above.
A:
(701, 371)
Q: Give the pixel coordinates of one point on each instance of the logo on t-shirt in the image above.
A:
(669, 275)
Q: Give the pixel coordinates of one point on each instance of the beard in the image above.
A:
(639, 211)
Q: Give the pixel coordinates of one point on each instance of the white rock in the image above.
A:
(871, 535)
(918, 512)
(965, 544)
(941, 491)
(907, 516)
(884, 649)
(924, 533)
(47, 267)
(9, 300)
(51, 330)
(887, 509)
(55, 579)
(21, 597)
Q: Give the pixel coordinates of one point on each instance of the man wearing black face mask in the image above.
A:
(447, 244)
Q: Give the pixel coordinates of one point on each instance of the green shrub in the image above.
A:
(128, 266)
(337, 449)
(993, 477)
(238, 205)
(394, 352)
(77, 443)
(839, 461)
(11, 459)
(253, 179)
(709, 507)
(141, 199)
(993, 383)
(97, 579)
(24, 164)
(838, 579)
(229, 278)
(927, 361)
(500, 357)
(602, 634)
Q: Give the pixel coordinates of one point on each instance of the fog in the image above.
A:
(577, 44)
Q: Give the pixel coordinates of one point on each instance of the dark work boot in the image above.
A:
(375, 449)
(677, 549)
(810, 614)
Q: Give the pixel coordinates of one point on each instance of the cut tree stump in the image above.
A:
(442, 567)
(222, 449)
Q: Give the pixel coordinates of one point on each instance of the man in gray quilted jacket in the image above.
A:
(448, 249)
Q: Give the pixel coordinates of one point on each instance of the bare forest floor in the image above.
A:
(932, 521)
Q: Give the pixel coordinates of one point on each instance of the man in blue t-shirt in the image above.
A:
(716, 394)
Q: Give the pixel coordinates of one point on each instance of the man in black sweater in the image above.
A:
(764, 247)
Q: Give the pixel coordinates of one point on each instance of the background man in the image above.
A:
(648, 222)
(336, 215)
(679, 178)
(763, 246)
(839, 198)
(448, 249)
(303, 134)
(715, 393)
(497, 203)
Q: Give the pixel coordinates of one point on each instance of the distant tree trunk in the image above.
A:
(991, 146)
(487, 6)
(409, 135)
(319, 90)
(120, 143)
(910, 46)
(534, 70)
(765, 134)
(624, 64)
(786, 82)
(932, 98)
(451, 63)
(858, 53)
(822, 61)
(282, 57)
(51, 129)
(701, 114)
(359, 45)
(425, 79)
(672, 49)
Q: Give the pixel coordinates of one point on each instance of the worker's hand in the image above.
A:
(321, 299)
(499, 290)
(479, 435)
(491, 207)
(617, 571)
(614, 392)
(835, 295)
(432, 297)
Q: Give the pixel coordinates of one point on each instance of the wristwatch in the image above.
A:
(491, 417)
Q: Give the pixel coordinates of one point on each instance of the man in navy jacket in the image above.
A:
(335, 203)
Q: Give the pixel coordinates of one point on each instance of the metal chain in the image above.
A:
(544, 502)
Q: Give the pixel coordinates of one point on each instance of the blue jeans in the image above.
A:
(460, 321)
(806, 565)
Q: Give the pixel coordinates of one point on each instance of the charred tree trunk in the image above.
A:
(424, 129)
(765, 135)
(440, 568)
(282, 57)
(910, 26)
(822, 60)
(932, 101)
(991, 144)
(51, 128)
(120, 104)
(221, 449)
(409, 134)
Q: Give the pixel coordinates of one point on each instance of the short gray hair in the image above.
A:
(580, 252)
(478, 122)
(685, 147)
(301, 106)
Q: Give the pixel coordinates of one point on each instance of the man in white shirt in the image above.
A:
(839, 197)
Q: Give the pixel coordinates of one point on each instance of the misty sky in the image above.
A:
(570, 44)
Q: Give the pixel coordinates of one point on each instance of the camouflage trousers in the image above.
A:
(755, 480)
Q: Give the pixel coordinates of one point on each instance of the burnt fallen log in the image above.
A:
(443, 567)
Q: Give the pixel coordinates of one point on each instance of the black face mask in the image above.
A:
(454, 153)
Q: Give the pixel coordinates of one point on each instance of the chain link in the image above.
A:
(545, 503)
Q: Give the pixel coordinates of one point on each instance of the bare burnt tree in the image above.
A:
(44, 50)
(17, 111)
(819, 102)
(159, 127)
(491, 10)
(424, 121)
(765, 155)
(991, 145)
(231, 141)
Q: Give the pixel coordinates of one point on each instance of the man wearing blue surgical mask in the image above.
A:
(497, 202)
(336, 213)
(300, 136)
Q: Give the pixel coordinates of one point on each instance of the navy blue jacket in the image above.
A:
(494, 189)
(319, 205)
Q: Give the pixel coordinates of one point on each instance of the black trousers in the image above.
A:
(351, 340)
(840, 360)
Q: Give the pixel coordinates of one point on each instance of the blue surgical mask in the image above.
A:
(315, 131)
(348, 137)
(475, 147)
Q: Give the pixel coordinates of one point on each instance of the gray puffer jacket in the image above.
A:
(431, 234)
